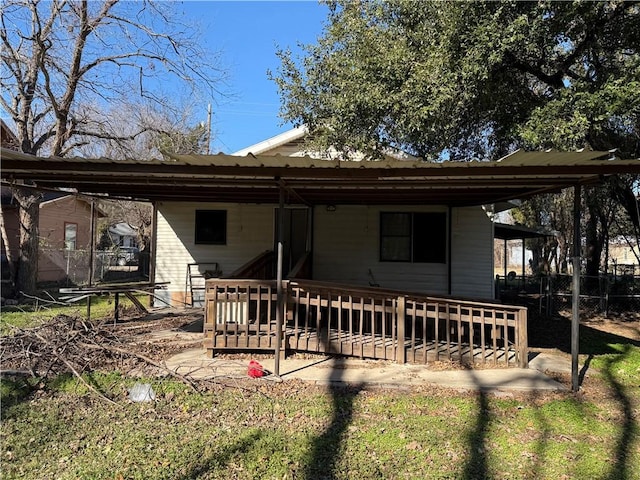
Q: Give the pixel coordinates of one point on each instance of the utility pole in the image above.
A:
(209, 129)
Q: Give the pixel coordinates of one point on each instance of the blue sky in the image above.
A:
(247, 34)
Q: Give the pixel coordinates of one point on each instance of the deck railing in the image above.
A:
(259, 267)
(364, 322)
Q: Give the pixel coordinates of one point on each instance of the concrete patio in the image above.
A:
(350, 371)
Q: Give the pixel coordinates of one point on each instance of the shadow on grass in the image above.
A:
(476, 465)
(543, 441)
(613, 350)
(223, 457)
(325, 448)
(620, 470)
(555, 332)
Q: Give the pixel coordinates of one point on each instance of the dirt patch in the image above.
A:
(624, 325)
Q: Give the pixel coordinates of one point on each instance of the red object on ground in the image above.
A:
(255, 370)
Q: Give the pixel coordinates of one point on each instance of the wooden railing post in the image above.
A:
(523, 341)
(401, 354)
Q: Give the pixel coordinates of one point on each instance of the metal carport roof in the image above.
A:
(258, 179)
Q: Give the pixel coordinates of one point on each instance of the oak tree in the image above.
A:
(473, 80)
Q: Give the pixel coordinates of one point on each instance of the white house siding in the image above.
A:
(472, 253)
(249, 233)
(347, 245)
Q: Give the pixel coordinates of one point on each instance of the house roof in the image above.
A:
(7, 138)
(123, 229)
(257, 179)
(505, 231)
(295, 135)
(48, 198)
(292, 143)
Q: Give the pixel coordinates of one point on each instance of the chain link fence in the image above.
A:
(602, 295)
(64, 267)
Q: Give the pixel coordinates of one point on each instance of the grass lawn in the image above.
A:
(25, 316)
(292, 430)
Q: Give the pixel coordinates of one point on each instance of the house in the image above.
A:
(403, 247)
(64, 229)
(622, 256)
(385, 259)
(123, 235)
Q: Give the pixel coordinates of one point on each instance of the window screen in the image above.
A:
(419, 237)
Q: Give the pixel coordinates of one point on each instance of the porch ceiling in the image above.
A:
(257, 179)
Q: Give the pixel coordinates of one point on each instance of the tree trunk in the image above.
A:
(29, 202)
(594, 242)
(11, 261)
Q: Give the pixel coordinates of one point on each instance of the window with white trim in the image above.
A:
(415, 237)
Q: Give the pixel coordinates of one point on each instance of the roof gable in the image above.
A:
(7, 138)
(292, 143)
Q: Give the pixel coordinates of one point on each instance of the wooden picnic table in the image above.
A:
(74, 294)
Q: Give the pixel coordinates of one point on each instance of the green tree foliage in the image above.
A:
(476, 80)
(472, 79)
(466, 80)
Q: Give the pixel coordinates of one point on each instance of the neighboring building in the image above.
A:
(65, 239)
(123, 235)
(64, 228)
(622, 257)
(11, 223)
(8, 138)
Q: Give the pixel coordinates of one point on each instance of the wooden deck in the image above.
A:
(363, 322)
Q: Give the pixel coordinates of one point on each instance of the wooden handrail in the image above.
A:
(379, 292)
(255, 268)
(302, 269)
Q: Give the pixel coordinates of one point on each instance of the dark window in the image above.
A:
(413, 237)
(211, 227)
(395, 237)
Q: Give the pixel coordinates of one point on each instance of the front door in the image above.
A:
(296, 238)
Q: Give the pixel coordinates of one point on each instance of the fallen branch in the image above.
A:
(71, 345)
(52, 301)
(147, 360)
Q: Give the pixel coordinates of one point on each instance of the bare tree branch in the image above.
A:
(63, 61)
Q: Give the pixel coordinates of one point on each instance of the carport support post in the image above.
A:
(92, 253)
(575, 310)
(524, 283)
(153, 246)
(505, 264)
(279, 302)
